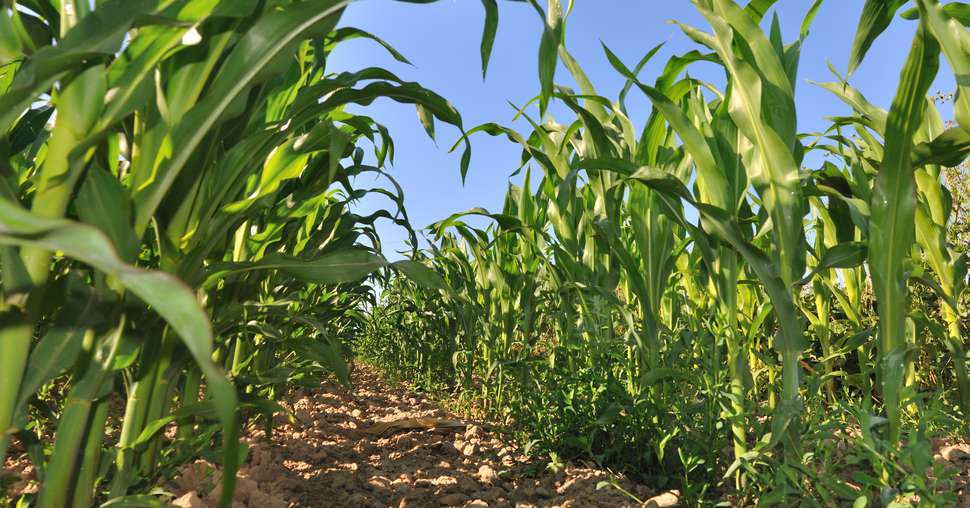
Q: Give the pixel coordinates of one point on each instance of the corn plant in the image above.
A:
(176, 224)
(694, 280)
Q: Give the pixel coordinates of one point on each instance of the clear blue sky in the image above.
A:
(442, 41)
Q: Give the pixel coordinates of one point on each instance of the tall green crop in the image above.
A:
(182, 231)
(711, 295)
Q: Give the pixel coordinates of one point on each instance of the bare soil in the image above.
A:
(335, 454)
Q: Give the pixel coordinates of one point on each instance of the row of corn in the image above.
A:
(712, 299)
(177, 240)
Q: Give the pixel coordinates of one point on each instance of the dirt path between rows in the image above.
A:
(333, 455)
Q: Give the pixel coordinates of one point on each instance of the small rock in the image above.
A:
(456, 499)
(405, 441)
(468, 450)
(486, 474)
(356, 413)
(378, 482)
(955, 453)
(189, 500)
(473, 431)
(478, 503)
(665, 500)
(297, 435)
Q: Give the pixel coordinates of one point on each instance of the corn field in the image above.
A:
(689, 300)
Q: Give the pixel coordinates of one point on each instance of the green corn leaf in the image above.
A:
(195, 11)
(165, 294)
(875, 116)
(421, 274)
(954, 41)
(949, 149)
(130, 76)
(809, 18)
(56, 352)
(507, 222)
(430, 105)
(548, 49)
(713, 185)
(97, 35)
(204, 409)
(29, 129)
(758, 8)
(327, 353)
(135, 500)
(843, 255)
(959, 11)
(630, 75)
(875, 18)
(272, 35)
(891, 228)
(104, 203)
(770, 129)
(349, 33)
(918, 274)
(663, 182)
(488, 32)
(348, 265)
(717, 222)
(725, 229)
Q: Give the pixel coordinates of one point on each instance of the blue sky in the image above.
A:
(442, 41)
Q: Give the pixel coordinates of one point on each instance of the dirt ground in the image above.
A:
(336, 454)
